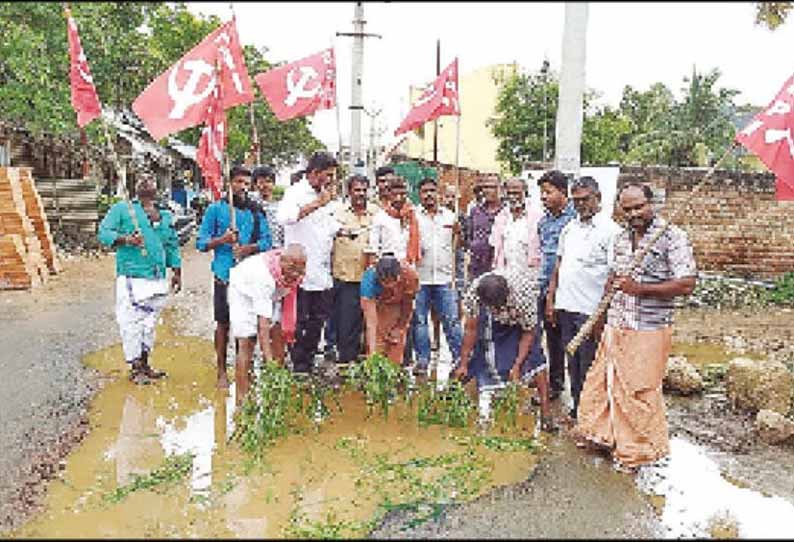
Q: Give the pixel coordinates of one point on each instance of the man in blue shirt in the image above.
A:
(554, 195)
(230, 247)
(141, 284)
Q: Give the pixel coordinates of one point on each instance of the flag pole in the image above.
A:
(255, 157)
(457, 171)
(435, 121)
(226, 166)
(638, 258)
(338, 124)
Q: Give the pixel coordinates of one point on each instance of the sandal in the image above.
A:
(153, 373)
(140, 378)
(548, 425)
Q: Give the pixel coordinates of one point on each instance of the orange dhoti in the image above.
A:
(621, 405)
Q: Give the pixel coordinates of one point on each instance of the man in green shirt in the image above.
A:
(141, 283)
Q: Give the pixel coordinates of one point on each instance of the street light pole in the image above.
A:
(356, 106)
(545, 71)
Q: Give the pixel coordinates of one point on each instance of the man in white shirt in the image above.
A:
(262, 293)
(435, 268)
(580, 273)
(309, 220)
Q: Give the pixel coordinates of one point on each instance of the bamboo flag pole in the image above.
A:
(635, 263)
(338, 124)
(254, 136)
(121, 171)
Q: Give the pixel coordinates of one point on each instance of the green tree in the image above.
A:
(680, 133)
(605, 136)
(523, 103)
(772, 14)
(520, 113)
(127, 44)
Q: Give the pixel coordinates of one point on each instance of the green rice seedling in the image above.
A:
(451, 406)
(173, 469)
(500, 443)
(421, 485)
(273, 410)
(380, 379)
(317, 398)
(330, 528)
(506, 406)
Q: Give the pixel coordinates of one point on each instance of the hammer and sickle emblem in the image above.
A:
(226, 54)
(81, 60)
(186, 96)
(297, 89)
(428, 95)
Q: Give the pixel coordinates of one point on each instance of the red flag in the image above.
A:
(302, 87)
(213, 139)
(769, 136)
(179, 97)
(84, 97)
(439, 98)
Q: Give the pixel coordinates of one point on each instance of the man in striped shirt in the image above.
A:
(621, 406)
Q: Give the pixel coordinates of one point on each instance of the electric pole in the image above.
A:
(572, 80)
(356, 105)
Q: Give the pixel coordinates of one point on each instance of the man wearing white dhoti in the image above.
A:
(141, 261)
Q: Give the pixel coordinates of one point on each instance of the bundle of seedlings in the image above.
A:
(506, 406)
(450, 406)
(380, 379)
(318, 394)
(273, 409)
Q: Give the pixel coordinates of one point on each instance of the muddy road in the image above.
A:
(60, 348)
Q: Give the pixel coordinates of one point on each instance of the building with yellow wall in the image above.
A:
(479, 91)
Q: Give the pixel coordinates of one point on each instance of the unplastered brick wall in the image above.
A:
(736, 226)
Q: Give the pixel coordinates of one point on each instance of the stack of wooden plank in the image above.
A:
(22, 261)
(34, 208)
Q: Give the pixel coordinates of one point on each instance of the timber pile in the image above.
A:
(34, 208)
(23, 264)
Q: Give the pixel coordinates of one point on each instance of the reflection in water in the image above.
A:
(696, 494)
(136, 447)
(197, 438)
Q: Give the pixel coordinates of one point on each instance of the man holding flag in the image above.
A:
(146, 241)
(230, 246)
(141, 285)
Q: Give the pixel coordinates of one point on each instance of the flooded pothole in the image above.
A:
(694, 498)
(331, 481)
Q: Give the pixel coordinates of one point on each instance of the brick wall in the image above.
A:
(736, 226)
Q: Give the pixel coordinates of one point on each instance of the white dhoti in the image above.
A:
(139, 302)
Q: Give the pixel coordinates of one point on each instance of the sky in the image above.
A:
(633, 44)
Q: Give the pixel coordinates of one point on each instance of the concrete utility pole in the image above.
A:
(356, 105)
(567, 156)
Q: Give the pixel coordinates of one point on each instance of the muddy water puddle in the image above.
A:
(333, 480)
(702, 354)
(694, 498)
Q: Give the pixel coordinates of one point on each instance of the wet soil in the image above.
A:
(45, 388)
(570, 493)
(320, 479)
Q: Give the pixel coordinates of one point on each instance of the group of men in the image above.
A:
(366, 273)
